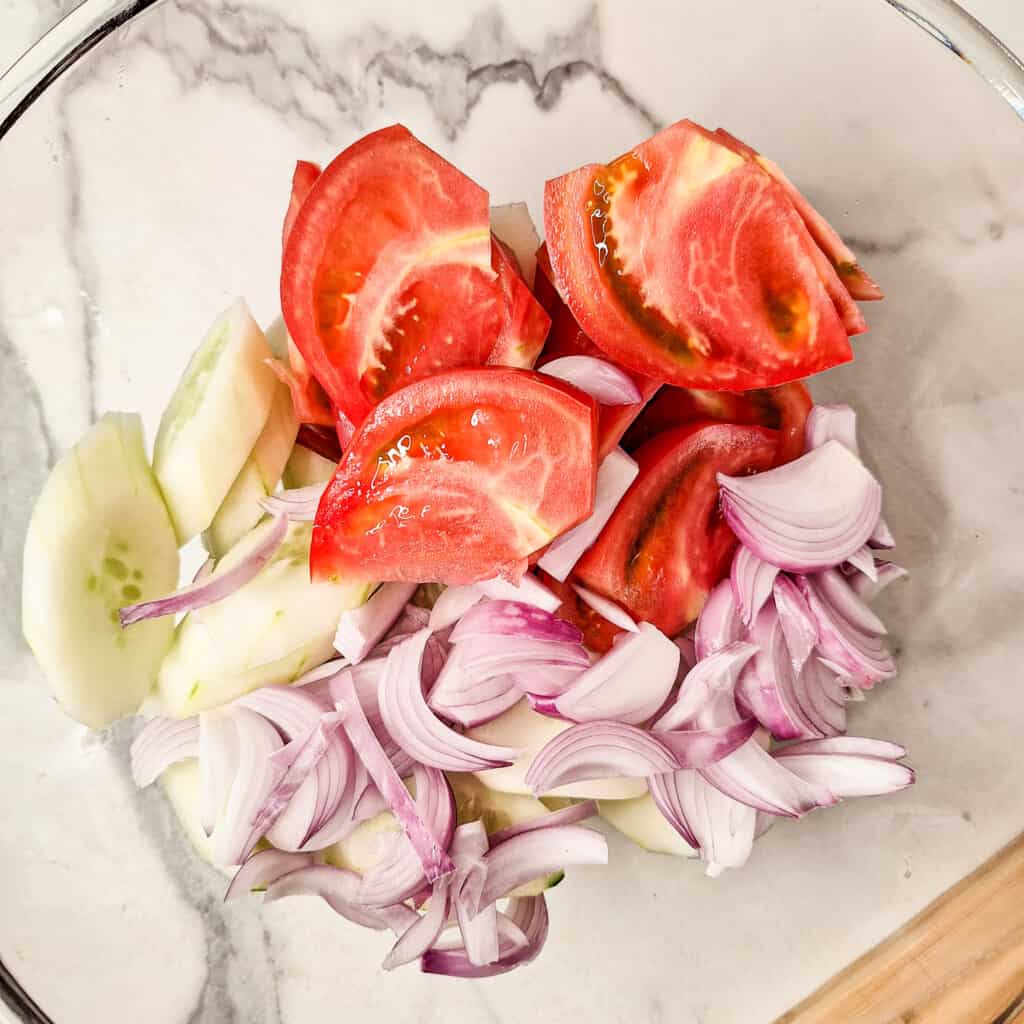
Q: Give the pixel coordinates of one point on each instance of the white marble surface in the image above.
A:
(147, 189)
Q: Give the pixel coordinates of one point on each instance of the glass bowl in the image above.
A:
(145, 189)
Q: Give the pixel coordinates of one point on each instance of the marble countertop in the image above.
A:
(145, 191)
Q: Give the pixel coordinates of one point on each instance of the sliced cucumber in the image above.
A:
(100, 538)
(213, 420)
(269, 631)
(240, 510)
(180, 784)
(513, 224)
(365, 846)
(640, 820)
(529, 730)
(306, 468)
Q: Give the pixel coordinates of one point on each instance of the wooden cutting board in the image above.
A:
(960, 961)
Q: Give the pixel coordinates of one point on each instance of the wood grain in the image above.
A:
(960, 961)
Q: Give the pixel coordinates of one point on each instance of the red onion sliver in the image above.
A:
(609, 610)
(213, 587)
(263, 868)
(710, 682)
(218, 764)
(361, 629)
(162, 742)
(478, 924)
(428, 847)
(849, 776)
(298, 505)
(453, 603)
(571, 815)
(867, 589)
(696, 748)
(831, 423)
(798, 625)
(292, 711)
(864, 561)
(514, 619)
(627, 684)
(338, 887)
(719, 623)
(537, 853)
(598, 750)
(812, 513)
(476, 703)
(752, 581)
(600, 379)
(416, 728)
(529, 590)
(881, 536)
(854, 746)
(615, 476)
(668, 791)
(424, 931)
(546, 681)
(322, 672)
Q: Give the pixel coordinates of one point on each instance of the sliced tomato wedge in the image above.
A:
(458, 478)
(525, 322)
(784, 409)
(667, 543)
(685, 262)
(598, 633)
(387, 276)
(303, 179)
(567, 339)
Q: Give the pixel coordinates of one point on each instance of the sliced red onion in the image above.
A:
(598, 750)
(299, 505)
(292, 711)
(798, 624)
(688, 653)
(831, 423)
(256, 739)
(752, 581)
(428, 846)
(264, 867)
(571, 815)
(849, 776)
(627, 684)
(844, 641)
(218, 764)
(522, 933)
(881, 536)
(529, 590)
(322, 672)
(475, 702)
(719, 623)
(424, 931)
(812, 513)
(853, 746)
(541, 852)
(214, 587)
(864, 560)
(399, 874)
(515, 619)
(162, 742)
(600, 379)
(706, 697)
(615, 476)
(337, 888)
(478, 923)
(669, 793)
(609, 610)
(546, 681)
(695, 748)
(453, 603)
(867, 589)
(416, 729)
(482, 657)
(361, 629)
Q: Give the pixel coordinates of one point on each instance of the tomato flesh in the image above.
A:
(525, 322)
(387, 276)
(667, 543)
(685, 261)
(459, 478)
(598, 633)
(784, 409)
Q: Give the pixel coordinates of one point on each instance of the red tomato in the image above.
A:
(566, 339)
(784, 409)
(458, 478)
(684, 261)
(598, 633)
(667, 544)
(325, 443)
(309, 399)
(387, 276)
(525, 323)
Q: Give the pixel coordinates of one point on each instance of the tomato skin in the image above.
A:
(598, 633)
(525, 323)
(667, 543)
(458, 478)
(386, 277)
(303, 179)
(685, 262)
(784, 409)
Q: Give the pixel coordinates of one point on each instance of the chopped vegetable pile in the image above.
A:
(502, 536)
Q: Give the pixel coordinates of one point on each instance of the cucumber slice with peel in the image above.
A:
(640, 820)
(99, 538)
(306, 468)
(181, 786)
(213, 420)
(271, 630)
(240, 510)
(528, 730)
